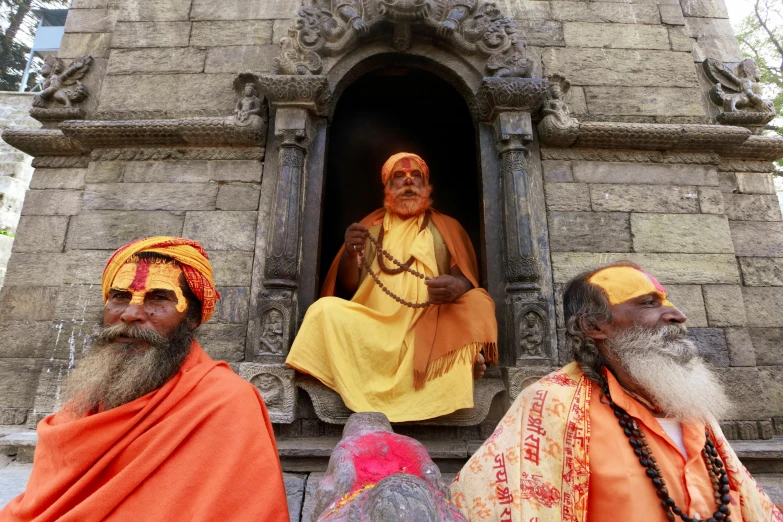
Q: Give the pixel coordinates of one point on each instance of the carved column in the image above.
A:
(527, 311)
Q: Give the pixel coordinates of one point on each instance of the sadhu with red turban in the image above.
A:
(402, 341)
(152, 427)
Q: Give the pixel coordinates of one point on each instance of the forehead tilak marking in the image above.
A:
(140, 277)
(406, 163)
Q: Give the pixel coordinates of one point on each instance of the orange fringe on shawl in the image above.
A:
(445, 334)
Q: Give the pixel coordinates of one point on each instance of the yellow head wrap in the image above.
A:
(622, 283)
(389, 167)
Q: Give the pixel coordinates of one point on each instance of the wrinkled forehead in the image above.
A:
(623, 283)
(148, 274)
(407, 164)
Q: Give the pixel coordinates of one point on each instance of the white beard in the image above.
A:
(664, 365)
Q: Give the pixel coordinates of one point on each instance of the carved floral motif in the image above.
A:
(471, 27)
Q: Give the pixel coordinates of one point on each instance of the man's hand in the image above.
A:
(479, 367)
(446, 289)
(355, 238)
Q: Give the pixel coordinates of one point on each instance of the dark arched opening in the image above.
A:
(391, 110)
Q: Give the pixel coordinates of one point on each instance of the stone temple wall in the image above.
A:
(709, 227)
(15, 171)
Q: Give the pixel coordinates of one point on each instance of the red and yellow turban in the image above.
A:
(404, 161)
(189, 254)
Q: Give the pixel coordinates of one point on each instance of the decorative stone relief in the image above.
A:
(517, 379)
(273, 336)
(496, 95)
(470, 27)
(304, 92)
(557, 127)
(529, 326)
(42, 142)
(160, 154)
(275, 383)
(273, 326)
(736, 89)
(61, 89)
(12, 416)
(532, 335)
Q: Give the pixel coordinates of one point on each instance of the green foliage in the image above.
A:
(5, 233)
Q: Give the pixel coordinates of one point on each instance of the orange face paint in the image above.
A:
(143, 277)
(622, 283)
(407, 166)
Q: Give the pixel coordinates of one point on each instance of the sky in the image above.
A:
(738, 9)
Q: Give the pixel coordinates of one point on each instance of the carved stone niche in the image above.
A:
(276, 385)
(271, 328)
(530, 330)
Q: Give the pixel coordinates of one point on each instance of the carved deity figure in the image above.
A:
(249, 109)
(557, 126)
(272, 334)
(376, 475)
(57, 80)
(270, 388)
(737, 90)
(531, 335)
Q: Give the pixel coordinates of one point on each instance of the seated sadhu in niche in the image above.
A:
(153, 428)
(418, 327)
(627, 432)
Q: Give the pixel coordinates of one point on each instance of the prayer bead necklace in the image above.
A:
(715, 467)
(403, 267)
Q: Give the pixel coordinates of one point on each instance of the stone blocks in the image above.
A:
(755, 182)
(724, 304)
(150, 196)
(241, 58)
(744, 388)
(620, 67)
(761, 271)
(157, 60)
(690, 301)
(157, 11)
(643, 173)
(620, 13)
(644, 101)
(74, 45)
(231, 32)
(172, 92)
(712, 345)
(150, 34)
(763, 305)
(567, 197)
(96, 230)
(711, 200)
(18, 381)
(52, 203)
(184, 171)
(772, 384)
(223, 341)
(232, 268)
(768, 344)
(620, 36)
(238, 196)
(244, 9)
(589, 232)
(752, 207)
(35, 269)
(28, 303)
(223, 230)
(685, 233)
(740, 345)
(41, 234)
(90, 20)
(757, 239)
(58, 179)
(644, 198)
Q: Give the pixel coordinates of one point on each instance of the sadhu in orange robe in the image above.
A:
(200, 448)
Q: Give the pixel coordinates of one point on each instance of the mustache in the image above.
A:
(109, 334)
(410, 189)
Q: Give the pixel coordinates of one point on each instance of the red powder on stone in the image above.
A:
(378, 455)
(140, 277)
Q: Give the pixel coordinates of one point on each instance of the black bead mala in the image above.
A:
(715, 468)
(402, 267)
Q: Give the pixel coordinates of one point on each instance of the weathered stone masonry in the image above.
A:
(644, 173)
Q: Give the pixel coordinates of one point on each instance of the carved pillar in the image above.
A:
(527, 310)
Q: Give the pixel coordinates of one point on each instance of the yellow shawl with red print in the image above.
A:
(535, 466)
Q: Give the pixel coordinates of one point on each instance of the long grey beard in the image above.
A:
(665, 365)
(113, 374)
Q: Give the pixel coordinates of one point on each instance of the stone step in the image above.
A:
(761, 456)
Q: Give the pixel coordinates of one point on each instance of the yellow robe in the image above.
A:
(363, 348)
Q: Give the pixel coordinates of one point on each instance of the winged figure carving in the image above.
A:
(62, 84)
(737, 89)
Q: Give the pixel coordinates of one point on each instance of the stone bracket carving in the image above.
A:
(497, 95)
(517, 379)
(325, 28)
(513, 131)
(303, 92)
(736, 89)
(557, 127)
(528, 325)
(61, 89)
(276, 385)
(272, 327)
(330, 408)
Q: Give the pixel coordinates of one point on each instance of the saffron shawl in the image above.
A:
(535, 465)
(445, 333)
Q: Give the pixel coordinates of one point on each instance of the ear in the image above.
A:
(595, 330)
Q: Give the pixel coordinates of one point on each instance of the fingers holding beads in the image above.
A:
(355, 238)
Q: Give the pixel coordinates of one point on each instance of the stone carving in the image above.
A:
(470, 27)
(12, 416)
(737, 91)
(693, 158)
(200, 153)
(42, 142)
(307, 92)
(61, 162)
(532, 333)
(330, 408)
(275, 383)
(61, 86)
(759, 148)
(496, 95)
(557, 127)
(376, 475)
(730, 165)
(517, 379)
(272, 333)
(249, 110)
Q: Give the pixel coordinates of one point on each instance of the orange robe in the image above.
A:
(546, 462)
(199, 448)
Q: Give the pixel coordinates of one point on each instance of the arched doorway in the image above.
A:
(390, 110)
